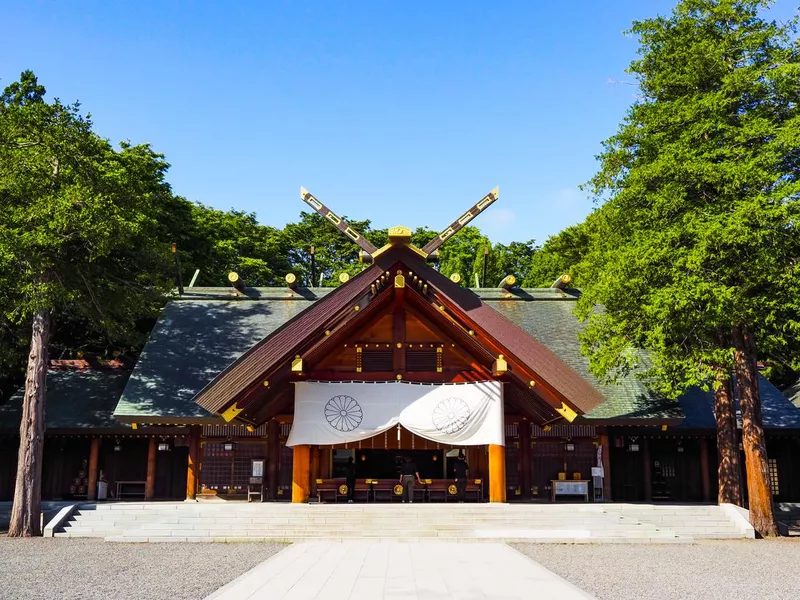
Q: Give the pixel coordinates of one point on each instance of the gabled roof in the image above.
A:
(200, 335)
(76, 399)
(547, 315)
(195, 338)
(281, 345)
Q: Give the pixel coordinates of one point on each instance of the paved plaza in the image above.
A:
(363, 570)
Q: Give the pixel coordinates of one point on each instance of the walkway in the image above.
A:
(357, 570)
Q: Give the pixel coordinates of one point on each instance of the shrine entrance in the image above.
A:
(378, 475)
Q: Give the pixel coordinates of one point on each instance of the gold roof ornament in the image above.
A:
(399, 232)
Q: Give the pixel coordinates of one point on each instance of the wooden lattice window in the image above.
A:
(377, 360)
(773, 476)
(427, 360)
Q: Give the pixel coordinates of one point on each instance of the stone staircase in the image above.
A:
(559, 523)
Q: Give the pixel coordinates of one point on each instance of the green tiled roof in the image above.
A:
(547, 315)
(200, 334)
(76, 399)
(195, 338)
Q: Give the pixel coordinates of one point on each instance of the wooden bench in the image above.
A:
(444, 490)
(336, 489)
(123, 485)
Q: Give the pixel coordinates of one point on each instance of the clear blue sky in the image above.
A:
(405, 112)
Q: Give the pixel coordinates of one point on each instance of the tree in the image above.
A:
(695, 259)
(218, 242)
(78, 231)
(560, 255)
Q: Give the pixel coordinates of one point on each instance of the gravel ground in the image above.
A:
(738, 569)
(87, 569)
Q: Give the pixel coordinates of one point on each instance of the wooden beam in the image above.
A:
(301, 473)
(94, 454)
(273, 458)
(497, 473)
(337, 222)
(193, 464)
(150, 482)
(462, 221)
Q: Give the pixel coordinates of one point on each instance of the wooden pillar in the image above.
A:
(648, 471)
(150, 483)
(301, 470)
(704, 470)
(605, 444)
(94, 455)
(273, 458)
(524, 429)
(497, 473)
(193, 467)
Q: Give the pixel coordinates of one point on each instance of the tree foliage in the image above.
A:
(700, 230)
(79, 220)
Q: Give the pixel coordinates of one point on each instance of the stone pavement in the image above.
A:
(364, 570)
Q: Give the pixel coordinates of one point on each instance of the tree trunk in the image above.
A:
(730, 485)
(762, 516)
(25, 514)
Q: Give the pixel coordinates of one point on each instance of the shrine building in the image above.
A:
(267, 393)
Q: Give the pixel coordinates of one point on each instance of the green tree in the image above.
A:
(218, 242)
(78, 221)
(560, 254)
(696, 254)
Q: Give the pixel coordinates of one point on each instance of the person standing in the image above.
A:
(350, 479)
(461, 474)
(408, 475)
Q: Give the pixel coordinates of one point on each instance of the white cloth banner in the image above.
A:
(469, 414)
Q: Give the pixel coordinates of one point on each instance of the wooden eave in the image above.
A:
(281, 345)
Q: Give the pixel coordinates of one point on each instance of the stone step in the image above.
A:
(576, 523)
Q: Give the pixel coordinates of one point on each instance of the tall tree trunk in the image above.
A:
(762, 515)
(26, 511)
(730, 485)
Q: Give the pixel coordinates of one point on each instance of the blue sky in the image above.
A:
(401, 112)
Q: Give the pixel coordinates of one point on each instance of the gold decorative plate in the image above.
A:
(452, 490)
(343, 490)
(398, 490)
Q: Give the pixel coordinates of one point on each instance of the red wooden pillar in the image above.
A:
(94, 454)
(273, 457)
(301, 471)
(704, 470)
(524, 430)
(150, 482)
(193, 467)
(497, 473)
(648, 471)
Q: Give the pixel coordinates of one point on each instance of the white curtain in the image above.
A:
(468, 414)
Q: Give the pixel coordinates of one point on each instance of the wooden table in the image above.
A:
(121, 487)
(569, 487)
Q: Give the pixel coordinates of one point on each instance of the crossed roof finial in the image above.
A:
(429, 248)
